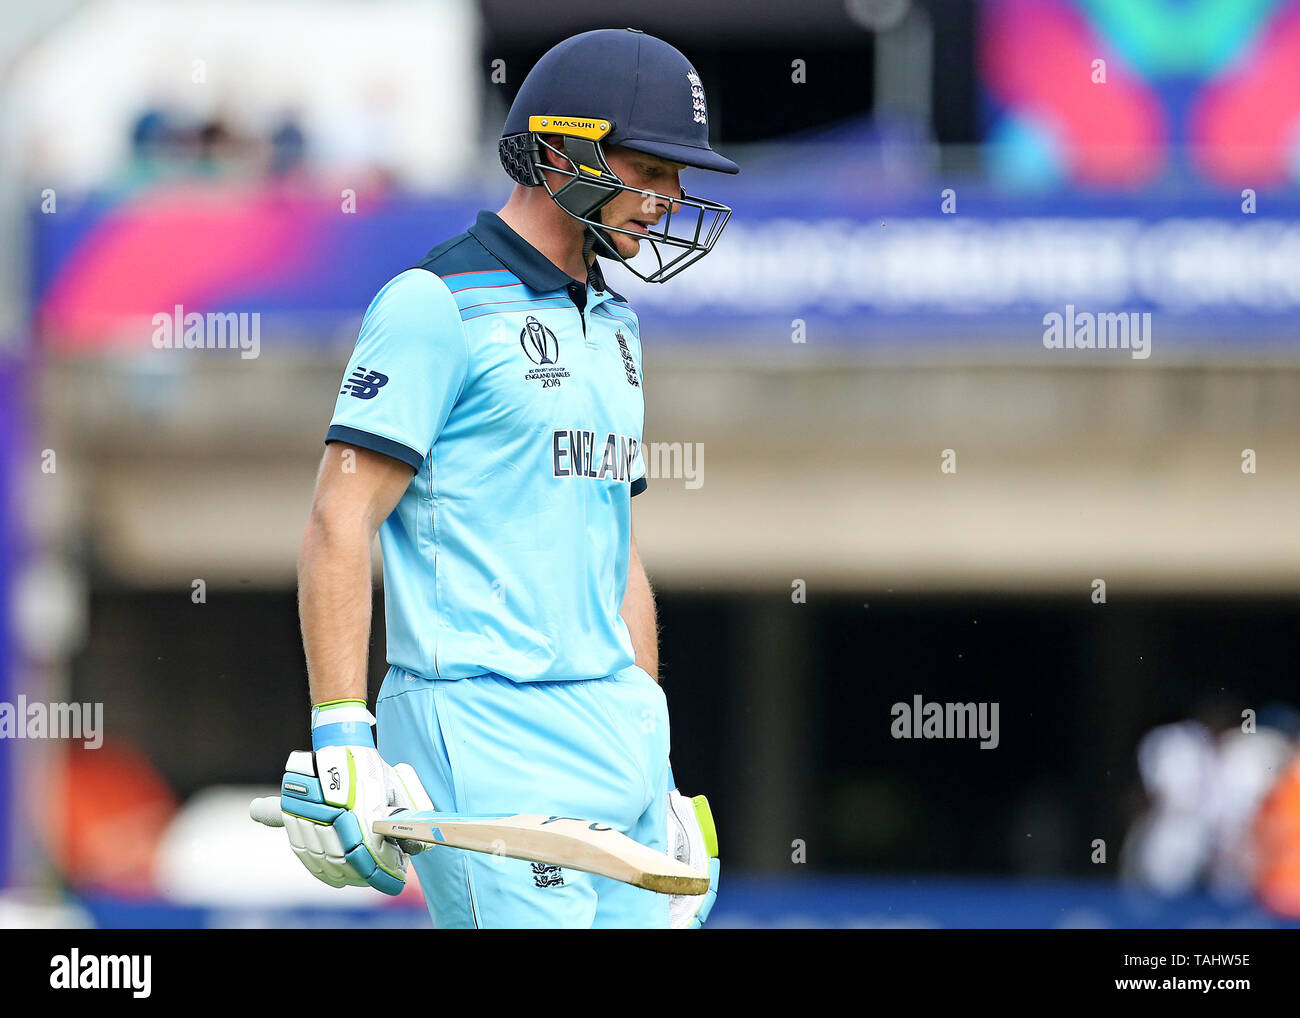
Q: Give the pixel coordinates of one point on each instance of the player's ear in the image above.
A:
(555, 158)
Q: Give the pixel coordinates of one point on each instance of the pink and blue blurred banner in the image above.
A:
(103, 268)
(865, 267)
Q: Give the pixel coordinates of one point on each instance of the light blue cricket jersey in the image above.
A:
(521, 416)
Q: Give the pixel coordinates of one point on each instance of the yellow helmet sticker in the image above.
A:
(578, 127)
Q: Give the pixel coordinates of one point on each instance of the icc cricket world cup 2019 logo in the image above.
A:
(539, 342)
(543, 349)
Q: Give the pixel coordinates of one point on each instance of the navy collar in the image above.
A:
(532, 267)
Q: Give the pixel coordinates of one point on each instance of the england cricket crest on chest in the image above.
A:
(629, 365)
(542, 347)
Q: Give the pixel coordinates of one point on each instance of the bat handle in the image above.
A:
(266, 810)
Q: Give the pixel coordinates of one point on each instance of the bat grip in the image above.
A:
(266, 810)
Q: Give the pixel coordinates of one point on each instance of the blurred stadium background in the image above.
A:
(922, 182)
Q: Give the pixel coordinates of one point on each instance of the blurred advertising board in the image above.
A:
(960, 267)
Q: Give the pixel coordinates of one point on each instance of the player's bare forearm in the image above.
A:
(334, 608)
(355, 491)
(638, 613)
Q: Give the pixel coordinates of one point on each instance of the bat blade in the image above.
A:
(557, 841)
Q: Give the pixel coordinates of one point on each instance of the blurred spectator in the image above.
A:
(288, 146)
(1204, 792)
(165, 145)
(1277, 845)
(113, 808)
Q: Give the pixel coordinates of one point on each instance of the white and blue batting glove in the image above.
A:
(693, 840)
(329, 797)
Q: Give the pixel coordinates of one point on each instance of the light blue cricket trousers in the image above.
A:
(595, 749)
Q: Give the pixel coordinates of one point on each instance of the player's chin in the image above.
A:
(628, 247)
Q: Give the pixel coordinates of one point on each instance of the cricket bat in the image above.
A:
(555, 841)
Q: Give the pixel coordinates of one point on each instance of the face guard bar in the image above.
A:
(591, 185)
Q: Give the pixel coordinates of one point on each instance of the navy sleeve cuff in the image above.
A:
(376, 443)
(638, 486)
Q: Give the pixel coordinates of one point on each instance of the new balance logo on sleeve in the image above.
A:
(364, 384)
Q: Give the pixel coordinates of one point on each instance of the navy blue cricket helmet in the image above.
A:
(617, 87)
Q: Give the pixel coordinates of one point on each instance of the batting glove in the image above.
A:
(329, 797)
(693, 840)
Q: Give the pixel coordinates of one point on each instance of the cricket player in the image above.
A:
(489, 429)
